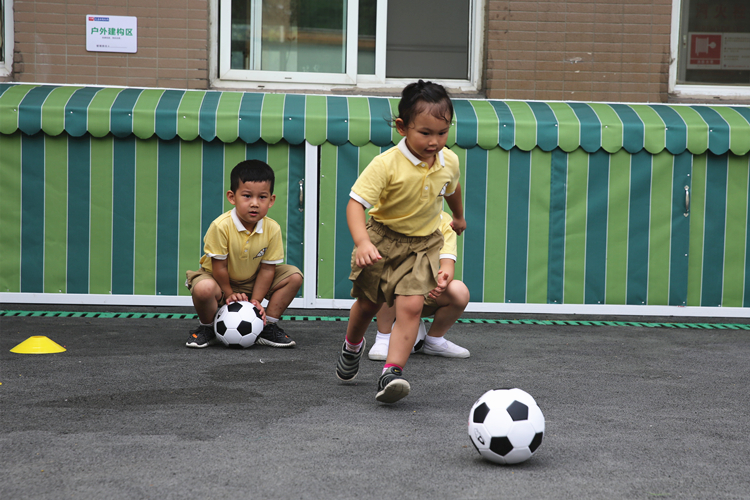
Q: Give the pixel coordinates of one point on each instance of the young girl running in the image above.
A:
(396, 253)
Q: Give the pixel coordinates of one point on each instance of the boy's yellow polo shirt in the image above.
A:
(227, 238)
(403, 193)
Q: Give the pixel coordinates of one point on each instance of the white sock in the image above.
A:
(383, 336)
(354, 347)
(435, 341)
(269, 319)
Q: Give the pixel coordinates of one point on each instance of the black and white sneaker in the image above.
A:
(201, 337)
(347, 366)
(272, 335)
(392, 386)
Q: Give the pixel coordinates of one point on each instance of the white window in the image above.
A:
(364, 43)
(6, 37)
(710, 48)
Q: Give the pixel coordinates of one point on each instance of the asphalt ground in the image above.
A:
(129, 412)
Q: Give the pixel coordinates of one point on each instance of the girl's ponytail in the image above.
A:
(417, 95)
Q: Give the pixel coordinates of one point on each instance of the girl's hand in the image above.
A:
(260, 308)
(442, 284)
(458, 225)
(237, 297)
(366, 254)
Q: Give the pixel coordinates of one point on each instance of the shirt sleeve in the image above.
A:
(370, 184)
(451, 162)
(450, 247)
(275, 252)
(216, 243)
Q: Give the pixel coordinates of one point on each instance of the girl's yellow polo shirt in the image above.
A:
(403, 193)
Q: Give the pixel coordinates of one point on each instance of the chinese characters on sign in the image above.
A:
(111, 34)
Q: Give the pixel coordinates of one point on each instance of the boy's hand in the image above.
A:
(260, 308)
(458, 224)
(367, 254)
(442, 284)
(237, 297)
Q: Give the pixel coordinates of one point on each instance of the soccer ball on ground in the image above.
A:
(238, 324)
(506, 426)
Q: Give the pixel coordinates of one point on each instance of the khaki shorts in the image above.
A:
(430, 307)
(283, 271)
(409, 265)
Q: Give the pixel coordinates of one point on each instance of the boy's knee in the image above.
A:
(295, 280)
(204, 290)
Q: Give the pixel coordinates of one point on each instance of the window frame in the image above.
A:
(222, 76)
(6, 67)
(688, 90)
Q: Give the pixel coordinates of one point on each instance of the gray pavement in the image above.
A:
(128, 412)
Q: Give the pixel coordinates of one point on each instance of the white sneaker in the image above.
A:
(447, 349)
(379, 350)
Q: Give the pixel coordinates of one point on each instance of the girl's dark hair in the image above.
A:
(419, 95)
(251, 171)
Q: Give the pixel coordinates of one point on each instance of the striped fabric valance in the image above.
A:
(250, 117)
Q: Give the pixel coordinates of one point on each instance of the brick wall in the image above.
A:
(50, 44)
(581, 50)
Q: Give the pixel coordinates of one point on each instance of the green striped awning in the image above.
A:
(250, 117)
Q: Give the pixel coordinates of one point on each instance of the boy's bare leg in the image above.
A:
(404, 333)
(283, 295)
(452, 303)
(206, 295)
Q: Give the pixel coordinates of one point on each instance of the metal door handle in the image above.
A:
(687, 201)
(301, 195)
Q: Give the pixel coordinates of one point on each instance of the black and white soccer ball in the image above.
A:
(506, 426)
(238, 324)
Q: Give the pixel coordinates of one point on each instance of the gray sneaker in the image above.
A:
(392, 386)
(347, 366)
(201, 337)
(272, 335)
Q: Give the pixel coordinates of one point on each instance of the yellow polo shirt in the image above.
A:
(227, 239)
(450, 246)
(403, 193)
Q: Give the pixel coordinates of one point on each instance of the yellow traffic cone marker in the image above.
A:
(38, 344)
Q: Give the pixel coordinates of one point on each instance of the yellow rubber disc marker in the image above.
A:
(38, 344)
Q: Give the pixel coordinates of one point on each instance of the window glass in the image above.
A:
(303, 40)
(366, 37)
(715, 42)
(289, 35)
(428, 39)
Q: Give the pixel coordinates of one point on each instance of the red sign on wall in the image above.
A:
(705, 50)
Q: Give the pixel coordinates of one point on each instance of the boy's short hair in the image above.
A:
(251, 171)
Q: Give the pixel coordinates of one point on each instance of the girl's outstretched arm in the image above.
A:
(366, 254)
(456, 205)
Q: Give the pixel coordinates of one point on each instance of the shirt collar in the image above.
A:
(241, 227)
(410, 156)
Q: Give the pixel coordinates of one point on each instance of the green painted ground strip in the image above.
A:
(141, 315)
